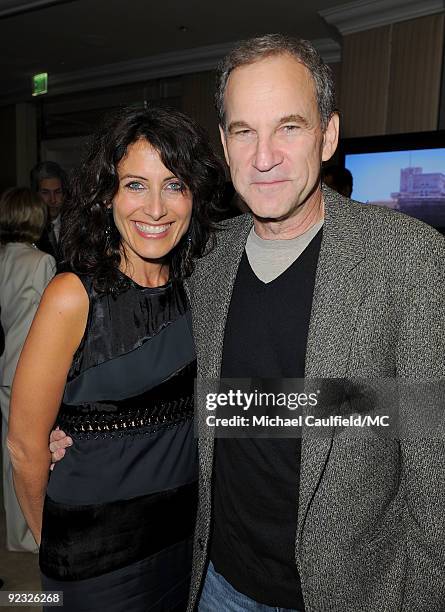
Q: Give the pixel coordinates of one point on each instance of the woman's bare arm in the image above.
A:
(38, 388)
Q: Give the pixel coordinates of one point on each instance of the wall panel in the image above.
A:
(364, 82)
(416, 64)
(197, 101)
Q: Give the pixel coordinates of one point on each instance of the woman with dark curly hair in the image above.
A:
(118, 359)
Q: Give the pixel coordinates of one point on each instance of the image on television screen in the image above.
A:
(410, 181)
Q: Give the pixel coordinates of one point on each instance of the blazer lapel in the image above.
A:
(339, 289)
(210, 290)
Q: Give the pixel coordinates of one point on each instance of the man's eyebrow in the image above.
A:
(294, 119)
(237, 125)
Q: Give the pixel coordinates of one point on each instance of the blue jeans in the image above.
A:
(219, 596)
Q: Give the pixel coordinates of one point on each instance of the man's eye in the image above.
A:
(290, 128)
(134, 186)
(243, 133)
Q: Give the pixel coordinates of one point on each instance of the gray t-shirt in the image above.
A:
(270, 258)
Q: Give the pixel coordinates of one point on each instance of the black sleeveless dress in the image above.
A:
(120, 508)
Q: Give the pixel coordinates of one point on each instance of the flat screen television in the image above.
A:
(405, 172)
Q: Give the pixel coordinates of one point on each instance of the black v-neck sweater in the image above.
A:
(256, 484)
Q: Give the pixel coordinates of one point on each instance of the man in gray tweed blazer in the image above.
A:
(328, 524)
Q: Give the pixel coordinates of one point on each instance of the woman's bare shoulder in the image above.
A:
(66, 295)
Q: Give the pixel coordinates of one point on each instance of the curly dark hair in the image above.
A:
(184, 149)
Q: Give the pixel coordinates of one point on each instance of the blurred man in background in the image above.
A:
(337, 178)
(51, 182)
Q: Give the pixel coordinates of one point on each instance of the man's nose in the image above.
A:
(52, 197)
(267, 156)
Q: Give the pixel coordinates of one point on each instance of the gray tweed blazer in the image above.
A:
(371, 513)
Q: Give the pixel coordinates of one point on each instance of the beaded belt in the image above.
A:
(164, 406)
(151, 419)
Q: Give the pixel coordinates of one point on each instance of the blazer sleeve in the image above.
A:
(43, 273)
(421, 356)
(38, 269)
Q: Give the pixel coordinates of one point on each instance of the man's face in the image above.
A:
(51, 192)
(273, 141)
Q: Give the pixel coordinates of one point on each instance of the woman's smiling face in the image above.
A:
(152, 208)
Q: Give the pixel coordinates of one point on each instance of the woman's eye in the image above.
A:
(134, 186)
(176, 186)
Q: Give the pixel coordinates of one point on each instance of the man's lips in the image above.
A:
(270, 183)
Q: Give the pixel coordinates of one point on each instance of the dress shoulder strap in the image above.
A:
(87, 282)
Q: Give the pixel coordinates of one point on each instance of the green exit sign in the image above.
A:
(40, 84)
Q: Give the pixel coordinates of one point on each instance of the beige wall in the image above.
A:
(414, 88)
(390, 78)
(197, 101)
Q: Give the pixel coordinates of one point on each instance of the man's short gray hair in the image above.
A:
(255, 49)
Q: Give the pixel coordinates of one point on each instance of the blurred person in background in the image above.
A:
(338, 178)
(25, 271)
(51, 182)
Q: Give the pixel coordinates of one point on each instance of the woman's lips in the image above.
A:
(150, 231)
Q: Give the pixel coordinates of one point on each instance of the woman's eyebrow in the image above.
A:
(144, 178)
(124, 176)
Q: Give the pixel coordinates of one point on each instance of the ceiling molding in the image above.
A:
(159, 66)
(9, 8)
(170, 64)
(329, 49)
(367, 14)
(164, 65)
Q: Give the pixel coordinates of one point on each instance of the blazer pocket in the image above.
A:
(387, 545)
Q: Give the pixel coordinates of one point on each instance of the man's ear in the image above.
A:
(330, 137)
(224, 143)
